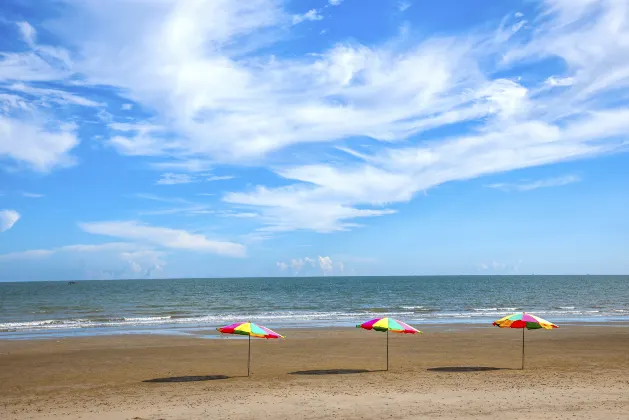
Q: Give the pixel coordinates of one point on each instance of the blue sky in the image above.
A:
(342, 137)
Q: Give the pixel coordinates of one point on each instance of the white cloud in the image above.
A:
(341, 267)
(125, 259)
(403, 5)
(144, 263)
(32, 195)
(285, 209)
(26, 255)
(183, 206)
(560, 81)
(310, 15)
(126, 107)
(170, 178)
(40, 147)
(188, 165)
(143, 139)
(335, 2)
(138, 145)
(218, 96)
(29, 34)
(219, 178)
(327, 195)
(541, 183)
(46, 96)
(297, 264)
(501, 267)
(162, 236)
(7, 219)
(270, 103)
(326, 265)
(153, 197)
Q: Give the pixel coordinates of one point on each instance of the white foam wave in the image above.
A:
(495, 309)
(287, 317)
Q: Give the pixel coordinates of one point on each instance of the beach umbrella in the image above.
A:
(252, 330)
(388, 324)
(526, 322)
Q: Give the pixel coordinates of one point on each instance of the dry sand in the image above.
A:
(450, 372)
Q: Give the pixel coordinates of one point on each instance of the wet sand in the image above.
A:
(450, 372)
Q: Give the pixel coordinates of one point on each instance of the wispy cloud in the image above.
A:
(170, 178)
(8, 218)
(403, 5)
(540, 183)
(183, 206)
(28, 33)
(185, 165)
(310, 15)
(128, 259)
(162, 236)
(219, 178)
(32, 195)
(154, 197)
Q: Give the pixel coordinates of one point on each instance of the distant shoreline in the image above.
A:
(380, 276)
(208, 331)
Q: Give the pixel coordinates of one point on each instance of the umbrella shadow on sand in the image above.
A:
(333, 372)
(188, 378)
(465, 369)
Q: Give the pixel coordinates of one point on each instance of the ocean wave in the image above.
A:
(300, 318)
(496, 309)
(420, 309)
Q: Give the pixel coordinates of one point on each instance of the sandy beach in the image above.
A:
(450, 372)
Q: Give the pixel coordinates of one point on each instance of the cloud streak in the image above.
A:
(533, 185)
(165, 237)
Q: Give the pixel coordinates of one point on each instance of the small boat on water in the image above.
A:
(71, 282)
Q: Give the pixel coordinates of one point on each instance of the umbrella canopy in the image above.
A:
(250, 329)
(524, 320)
(389, 324)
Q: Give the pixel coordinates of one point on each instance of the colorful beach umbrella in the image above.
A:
(252, 330)
(524, 321)
(388, 324)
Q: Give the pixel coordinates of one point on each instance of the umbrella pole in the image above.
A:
(387, 350)
(249, 359)
(523, 348)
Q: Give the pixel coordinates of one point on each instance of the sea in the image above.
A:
(191, 306)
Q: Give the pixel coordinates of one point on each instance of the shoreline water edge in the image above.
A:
(184, 306)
